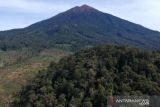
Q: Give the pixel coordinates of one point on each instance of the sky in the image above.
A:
(22, 13)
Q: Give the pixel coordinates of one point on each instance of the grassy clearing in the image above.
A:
(19, 67)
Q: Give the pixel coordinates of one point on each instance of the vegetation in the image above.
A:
(85, 78)
(77, 28)
(19, 66)
(88, 77)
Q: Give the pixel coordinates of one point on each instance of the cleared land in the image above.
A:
(17, 67)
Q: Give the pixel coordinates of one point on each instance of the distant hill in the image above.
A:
(87, 78)
(80, 27)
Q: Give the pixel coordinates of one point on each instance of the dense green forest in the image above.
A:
(88, 77)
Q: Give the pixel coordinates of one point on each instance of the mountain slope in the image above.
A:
(79, 27)
(90, 76)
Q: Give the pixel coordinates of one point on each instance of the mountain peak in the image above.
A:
(86, 7)
(82, 8)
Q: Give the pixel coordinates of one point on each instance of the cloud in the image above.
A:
(32, 6)
(144, 12)
(21, 13)
(25, 12)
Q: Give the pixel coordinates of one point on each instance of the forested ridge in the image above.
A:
(88, 77)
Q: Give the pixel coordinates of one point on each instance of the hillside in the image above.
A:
(17, 67)
(88, 77)
(80, 27)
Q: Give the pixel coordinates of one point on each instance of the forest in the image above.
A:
(88, 77)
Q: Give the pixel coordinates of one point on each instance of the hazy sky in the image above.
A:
(21, 13)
